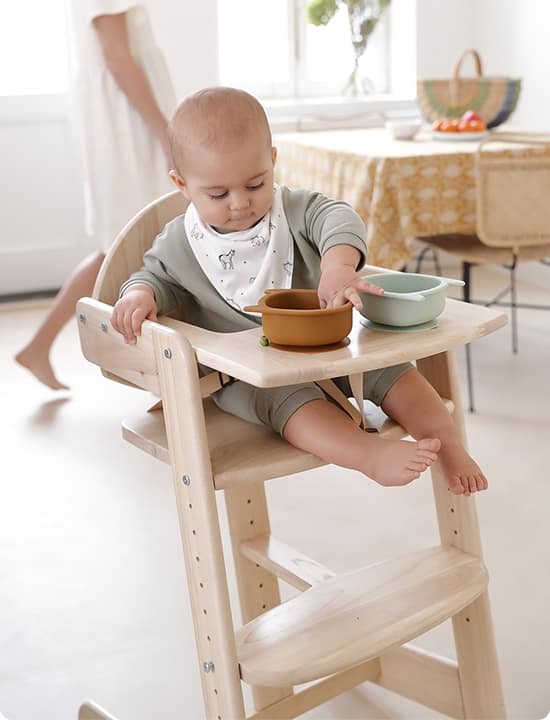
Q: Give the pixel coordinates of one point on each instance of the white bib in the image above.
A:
(241, 265)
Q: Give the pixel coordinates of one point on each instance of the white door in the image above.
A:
(41, 222)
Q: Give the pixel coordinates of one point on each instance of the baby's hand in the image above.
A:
(340, 283)
(136, 305)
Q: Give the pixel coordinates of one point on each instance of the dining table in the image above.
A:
(402, 189)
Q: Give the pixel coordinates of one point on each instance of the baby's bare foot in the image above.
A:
(40, 367)
(463, 474)
(398, 462)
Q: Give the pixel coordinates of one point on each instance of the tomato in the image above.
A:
(449, 125)
(470, 115)
(473, 125)
(469, 122)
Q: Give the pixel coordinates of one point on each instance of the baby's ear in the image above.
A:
(178, 181)
(274, 155)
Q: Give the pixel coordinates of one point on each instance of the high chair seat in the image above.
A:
(241, 452)
(357, 616)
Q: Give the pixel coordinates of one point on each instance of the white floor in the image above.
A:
(93, 595)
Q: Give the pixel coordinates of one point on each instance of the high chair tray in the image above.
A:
(241, 355)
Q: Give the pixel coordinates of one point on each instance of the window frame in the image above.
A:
(289, 110)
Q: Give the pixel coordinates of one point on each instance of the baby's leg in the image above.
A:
(415, 405)
(325, 430)
(303, 415)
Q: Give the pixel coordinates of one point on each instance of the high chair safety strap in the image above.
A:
(356, 384)
(334, 392)
(330, 388)
(213, 382)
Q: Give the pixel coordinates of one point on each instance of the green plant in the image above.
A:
(363, 17)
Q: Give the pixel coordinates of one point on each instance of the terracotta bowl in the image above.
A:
(293, 317)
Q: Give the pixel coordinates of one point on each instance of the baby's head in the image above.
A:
(223, 157)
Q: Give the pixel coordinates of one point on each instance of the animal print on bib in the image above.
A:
(241, 265)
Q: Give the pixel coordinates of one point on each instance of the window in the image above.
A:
(33, 49)
(269, 48)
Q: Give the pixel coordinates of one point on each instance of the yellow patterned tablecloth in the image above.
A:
(401, 189)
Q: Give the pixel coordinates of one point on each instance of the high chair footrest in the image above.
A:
(356, 616)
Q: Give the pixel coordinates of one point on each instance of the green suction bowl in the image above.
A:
(403, 311)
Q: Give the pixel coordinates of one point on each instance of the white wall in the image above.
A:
(444, 29)
(187, 34)
(512, 36)
(41, 229)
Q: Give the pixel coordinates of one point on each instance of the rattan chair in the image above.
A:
(512, 220)
(340, 630)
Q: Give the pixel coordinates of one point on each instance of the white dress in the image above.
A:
(124, 166)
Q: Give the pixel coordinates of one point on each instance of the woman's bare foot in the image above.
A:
(39, 365)
(398, 462)
(463, 474)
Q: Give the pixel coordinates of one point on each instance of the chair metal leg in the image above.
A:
(466, 296)
(514, 307)
(469, 378)
(436, 262)
(435, 259)
(420, 258)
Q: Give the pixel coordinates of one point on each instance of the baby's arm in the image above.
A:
(340, 281)
(136, 305)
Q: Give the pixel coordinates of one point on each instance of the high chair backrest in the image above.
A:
(513, 190)
(126, 253)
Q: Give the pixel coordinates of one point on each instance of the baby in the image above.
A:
(241, 235)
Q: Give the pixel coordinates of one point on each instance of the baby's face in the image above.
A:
(231, 189)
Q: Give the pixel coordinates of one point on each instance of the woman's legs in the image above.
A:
(35, 356)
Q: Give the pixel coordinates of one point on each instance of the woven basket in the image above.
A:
(493, 98)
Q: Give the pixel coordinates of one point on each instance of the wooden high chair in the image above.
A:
(341, 630)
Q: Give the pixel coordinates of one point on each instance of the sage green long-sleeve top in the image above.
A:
(183, 291)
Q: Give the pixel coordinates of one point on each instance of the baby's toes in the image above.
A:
(427, 457)
(417, 465)
(429, 445)
(456, 486)
(464, 481)
(481, 482)
(472, 483)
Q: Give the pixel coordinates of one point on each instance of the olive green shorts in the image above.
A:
(274, 406)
